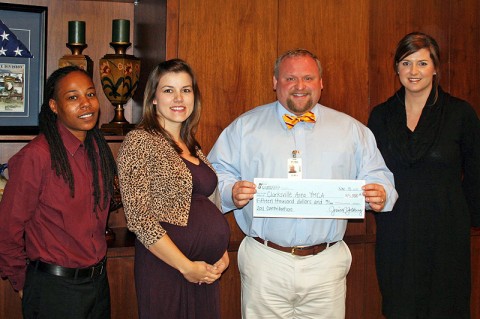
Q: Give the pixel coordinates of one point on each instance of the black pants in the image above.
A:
(53, 297)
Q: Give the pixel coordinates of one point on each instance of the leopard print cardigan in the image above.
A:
(155, 184)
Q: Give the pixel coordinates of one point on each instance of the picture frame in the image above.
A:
(22, 78)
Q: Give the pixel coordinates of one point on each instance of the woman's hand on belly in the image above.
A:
(222, 263)
(193, 271)
(218, 268)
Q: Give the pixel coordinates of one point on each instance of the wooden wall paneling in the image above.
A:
(389, 22)
(10, 302)
(150, 39)
(232, 47)
(355, 230)
(337, 31)
(233, 57)
(122, 285)
(384, 33)
(371, 228)
(236, 234)
(463, 58)
(230, 286)
(173, 17)
(373, 300)
(355, 283)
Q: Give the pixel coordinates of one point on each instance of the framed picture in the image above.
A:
(23, 32)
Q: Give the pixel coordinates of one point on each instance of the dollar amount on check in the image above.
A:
(309, 198)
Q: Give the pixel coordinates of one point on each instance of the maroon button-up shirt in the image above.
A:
(39, 220)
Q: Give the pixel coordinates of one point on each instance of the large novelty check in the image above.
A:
(309, 198)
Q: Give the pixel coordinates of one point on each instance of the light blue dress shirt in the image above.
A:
(258, 144)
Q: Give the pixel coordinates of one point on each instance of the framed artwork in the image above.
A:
(23, 32)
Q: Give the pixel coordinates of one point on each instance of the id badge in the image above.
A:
(294, 168)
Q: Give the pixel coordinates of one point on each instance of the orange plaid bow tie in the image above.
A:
(291, 120)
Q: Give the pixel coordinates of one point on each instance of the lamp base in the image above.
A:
(117, 128)
(82, 61)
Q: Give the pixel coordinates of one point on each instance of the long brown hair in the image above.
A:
(150, 121)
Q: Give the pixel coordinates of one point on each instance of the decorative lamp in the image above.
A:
(119, 75)
(76, 44)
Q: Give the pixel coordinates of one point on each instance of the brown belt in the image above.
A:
(297, 250)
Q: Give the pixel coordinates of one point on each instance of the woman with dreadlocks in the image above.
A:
(54, 209)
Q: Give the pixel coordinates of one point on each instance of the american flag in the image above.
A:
(10, 46)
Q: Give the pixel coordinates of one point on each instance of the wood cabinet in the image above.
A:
(120, 260)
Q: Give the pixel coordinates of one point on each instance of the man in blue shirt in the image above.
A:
(294, 267)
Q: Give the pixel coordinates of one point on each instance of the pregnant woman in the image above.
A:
(166, 181)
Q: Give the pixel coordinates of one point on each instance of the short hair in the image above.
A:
(296, 53)
(414, 42)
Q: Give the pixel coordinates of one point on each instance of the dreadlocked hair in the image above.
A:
(58, 152)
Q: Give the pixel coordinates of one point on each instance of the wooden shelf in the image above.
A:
(27, 138)
(124, 1)
(16, 138)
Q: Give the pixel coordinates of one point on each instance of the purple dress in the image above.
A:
(162, 291)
